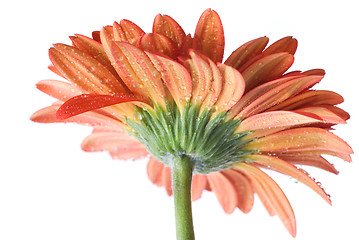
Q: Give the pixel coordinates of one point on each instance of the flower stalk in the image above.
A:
(181, 179)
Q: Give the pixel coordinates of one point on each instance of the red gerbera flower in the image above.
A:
(167, 95)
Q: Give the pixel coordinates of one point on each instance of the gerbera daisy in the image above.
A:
(203, 124)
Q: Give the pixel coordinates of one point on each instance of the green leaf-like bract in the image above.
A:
(209, 141)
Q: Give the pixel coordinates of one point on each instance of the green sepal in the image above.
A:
(208, 141)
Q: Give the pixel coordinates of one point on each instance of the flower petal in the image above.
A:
(245, 194)
(310, 98)
(201, 74)
(58, 89)
(308, 159)
(232, 88)
(301, 139)
(88, 102)
(199, 183)
(95, 49)
(288, 169)
(209, 35)
(275, 119)
(224, 190)
(270, 194)
(155, 171)
(94, 119)
(126, 31)
(176, 78)
(260, 100)
(246, 52)
(157, 43)
(286, 44)
(137, 71)
(83, 70)
(126, 146)
(327, 116)
(168, 27)
(266, 69)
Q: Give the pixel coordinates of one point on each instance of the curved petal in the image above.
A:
(224, 190)
(83, 70)
(327, 116)
(308, 159)
(58, 89)
(266, 69)
(125, 146)
(168, 27)
(176, 78)
(157, 43)
(88, 102)
(232, 88)
(275, 119)
(255, 103)
(137, 71)
(309, 98)
(209, 35)
(245, 194)
(126, 31)
(95, 49)
(288, 169)
(301, 139)
(246, 52)
(270, 194)
(199, 183)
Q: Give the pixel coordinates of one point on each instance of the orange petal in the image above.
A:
(246, 52)
(245, 194)
(266, 69)
(308, 159)
(270, 194)
(310, 98)
(256, 103)
(126, 31)
(94, 49)
(157, 43)
(301, 139)
(286, 44)
(224, 190)
(168, 27)
(215, 89)
(83, 70)
(232, 88)
(137, 71)
(201, 74)
(327, 116)
(209, 35)
(199, 183)
(275, 119)
(176, 78)
(167, 180)
(288, 169)
(58, 89)
(185, 46)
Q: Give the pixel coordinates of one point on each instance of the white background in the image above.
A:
(50, 189)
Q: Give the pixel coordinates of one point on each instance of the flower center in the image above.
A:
(207, 139)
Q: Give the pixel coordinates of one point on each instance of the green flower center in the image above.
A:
(207, 140)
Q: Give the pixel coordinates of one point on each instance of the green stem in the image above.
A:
(181, 182)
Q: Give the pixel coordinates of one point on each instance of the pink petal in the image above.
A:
(301, 139)
(58, 89)
(224, 190)
(127, 31)
(245, 194)
(271, 195)
(157, 43)
(199, 183)
(288, 169)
